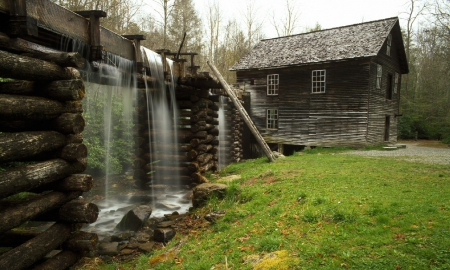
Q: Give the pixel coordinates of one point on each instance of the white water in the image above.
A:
(223, 159)
(108, 104)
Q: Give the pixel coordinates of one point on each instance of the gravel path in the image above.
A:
(413, 152)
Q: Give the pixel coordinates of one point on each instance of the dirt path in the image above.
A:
(415, 151)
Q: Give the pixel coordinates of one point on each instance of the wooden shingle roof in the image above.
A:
(347, 42)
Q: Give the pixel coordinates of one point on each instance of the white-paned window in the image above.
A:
(272, 84)
(396, 82)
(389, 45)
(318, 81)
(272, 119)
(379, 74)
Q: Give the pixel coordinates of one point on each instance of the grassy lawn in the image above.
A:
(320, 210)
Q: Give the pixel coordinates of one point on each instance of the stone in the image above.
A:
(228, 179)
(204, 191)
(126, 251)
(124, 236)
(146, 247)
(164, 234)
(142, 237)
(213, 216)
(167, 206)
(108, 248)
(135, 218)
(278, 154)
(165, 224)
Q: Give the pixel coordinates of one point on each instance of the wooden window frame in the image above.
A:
(389, 86)
(389, 45)
(272, 118)
(273, 84)
(318, 81)
(379, 76)
(396, 82)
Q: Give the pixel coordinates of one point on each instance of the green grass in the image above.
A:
(329, 211)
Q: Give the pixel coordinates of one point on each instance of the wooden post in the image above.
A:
(243, 113)
(137, 50)
(94, 31)
(20, 24)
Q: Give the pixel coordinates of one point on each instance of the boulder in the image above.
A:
(164, 234)
(135, 218)
(108, 248)
(204, 191)
(146, 247)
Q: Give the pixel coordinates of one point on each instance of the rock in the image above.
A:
(164, 234)
(111, 248)
(142, 237)
(135, 218)
(146, 247)
(165, 224)
(167, 206)
(278, 154)
(204, 191)
(213, 216)
(126, 251)
(124, 236)
(228, 179)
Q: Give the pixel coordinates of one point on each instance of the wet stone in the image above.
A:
(135, 218)
(110, 249)
(168, 206)
(164, 234)
(125, 236)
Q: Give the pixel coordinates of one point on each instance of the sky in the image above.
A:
(328, 13)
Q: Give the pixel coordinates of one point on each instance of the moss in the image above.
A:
(279, 260)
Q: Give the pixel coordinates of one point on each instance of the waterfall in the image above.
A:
(223, 154)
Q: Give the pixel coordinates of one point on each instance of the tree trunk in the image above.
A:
(82, 242)
(26, 68)
(31, 251)
(31, 176)
(64, 90)
(63, 59)
(203, 148)
(72, 212)
(14, 107)
(62, 260)
(69, 123)
(23, 145)
(74, 182)
(15, 215)
(204, 158)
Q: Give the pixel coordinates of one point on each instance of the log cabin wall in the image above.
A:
(336, 117)
(380, 106)
(42, 156)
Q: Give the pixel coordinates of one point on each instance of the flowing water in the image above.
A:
(224, 159)
(111, 97)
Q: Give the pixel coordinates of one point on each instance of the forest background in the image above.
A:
(425, 93)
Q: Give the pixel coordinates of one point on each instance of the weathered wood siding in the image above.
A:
(379, 105)
(337, 117)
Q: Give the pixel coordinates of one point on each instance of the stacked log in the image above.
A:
(42, 157)
(237, 129)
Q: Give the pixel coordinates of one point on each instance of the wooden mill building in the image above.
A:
(334, 87)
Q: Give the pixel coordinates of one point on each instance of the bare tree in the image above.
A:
(253, 24)
(288, 23)
(166, 7)
(214, 20)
